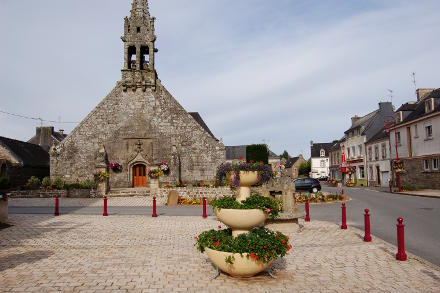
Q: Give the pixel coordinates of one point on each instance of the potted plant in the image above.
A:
(245, 255)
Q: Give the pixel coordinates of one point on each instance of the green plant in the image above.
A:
(257, 153)
(285, 155)
(305, 168)
(5, 182)
(58, 183)
(260, 244)
(46, 183)
(102, 176)
(33, 183)
(255, 201)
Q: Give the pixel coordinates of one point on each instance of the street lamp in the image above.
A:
(391, 120)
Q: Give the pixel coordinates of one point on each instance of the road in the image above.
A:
(421, 216)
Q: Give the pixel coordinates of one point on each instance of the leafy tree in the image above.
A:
(305, 168)
(257, 153)
(285, 155)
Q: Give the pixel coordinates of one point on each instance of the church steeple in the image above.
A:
(139, 50)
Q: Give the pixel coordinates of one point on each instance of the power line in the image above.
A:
(36, 118)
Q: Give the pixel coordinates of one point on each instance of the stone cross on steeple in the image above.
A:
(139, 50)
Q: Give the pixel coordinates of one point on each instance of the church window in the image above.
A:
(131, 57)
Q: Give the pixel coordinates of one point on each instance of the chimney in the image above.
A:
(311, 143)
(421, 93)
(61, 131)
(44, 136)
(354, 119)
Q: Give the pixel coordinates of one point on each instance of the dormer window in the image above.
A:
(429, 105)
(322, 153)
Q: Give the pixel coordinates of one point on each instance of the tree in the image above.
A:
(257, 153)
(305, 168)
(285, 155)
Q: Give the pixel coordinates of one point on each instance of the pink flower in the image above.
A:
(219, 227)
(267, 210)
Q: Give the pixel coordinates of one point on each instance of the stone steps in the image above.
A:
(129, 192)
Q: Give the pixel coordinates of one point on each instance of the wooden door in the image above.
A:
(139, 176)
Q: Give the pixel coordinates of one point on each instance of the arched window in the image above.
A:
(145, 57)
(131, 57)
(322, 153)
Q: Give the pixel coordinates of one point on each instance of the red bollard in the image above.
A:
(154, 215)
(367, 237)
(401, 254)
(307, 211)
(105, 214)
(204, 208)
(344, 217)
(57, 206)
(343, 194)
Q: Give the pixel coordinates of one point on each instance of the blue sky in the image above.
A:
(283, 72)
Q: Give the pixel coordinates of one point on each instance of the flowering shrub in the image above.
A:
(155, 173)
(115, 167)
(255, 201)
(165, 168)
(102, 176)
(181, 200)
(260, 244)
(264, 172)
(318, 197)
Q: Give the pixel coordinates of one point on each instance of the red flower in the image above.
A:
(256, 257)
(241, 158)
(252, 255)
(251, 161)
(276, 235)
(217, 243)
(267, 210)
(265, 246)
(197, 238)
(219, 227)
(284, 241)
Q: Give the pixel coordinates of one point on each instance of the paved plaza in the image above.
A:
(86, 253)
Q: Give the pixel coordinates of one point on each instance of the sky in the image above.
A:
(281, 72)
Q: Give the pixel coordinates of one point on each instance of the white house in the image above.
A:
(417, 133)
(320, 159)
(378, 159)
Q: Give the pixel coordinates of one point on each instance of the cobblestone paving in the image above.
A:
(141, 254)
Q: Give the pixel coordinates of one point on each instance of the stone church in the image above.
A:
(138, 125)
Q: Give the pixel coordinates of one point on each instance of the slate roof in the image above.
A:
(364, 121)
(410, 106)
(291, 161)
(315, 149)
(382, 134)
(202, 123)
(237, 151)
(336, 145)
(419, 111)
(31, 155)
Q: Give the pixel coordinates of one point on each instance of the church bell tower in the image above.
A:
(139, 50)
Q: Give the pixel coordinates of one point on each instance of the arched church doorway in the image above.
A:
(139, 175)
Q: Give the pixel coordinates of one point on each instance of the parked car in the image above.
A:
(308, 184)
(323, 178)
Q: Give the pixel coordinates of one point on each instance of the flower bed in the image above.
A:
(255, 201)
(259, 244)
(318, 197)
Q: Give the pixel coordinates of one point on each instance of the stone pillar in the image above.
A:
(288, 201)
(125, 56)
(151, 55)
(138, 57)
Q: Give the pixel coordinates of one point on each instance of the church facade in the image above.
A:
(138, 125)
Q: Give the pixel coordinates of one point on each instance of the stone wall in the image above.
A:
(416, 176)
(82, 193)
(153, 118)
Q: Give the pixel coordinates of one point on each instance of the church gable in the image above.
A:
(139, 124)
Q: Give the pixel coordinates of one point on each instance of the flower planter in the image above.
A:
(247, 179)
(241, 221)
(154, 183)
(242, 266)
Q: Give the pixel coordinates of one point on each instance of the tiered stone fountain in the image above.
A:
(240, 221)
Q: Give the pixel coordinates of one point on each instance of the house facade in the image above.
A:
(361, 131)
(417, 135)
(335, 155)
(320, 163)
(292, 166)
(378, 159)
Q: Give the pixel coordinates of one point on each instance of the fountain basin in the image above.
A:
(241, 221)
(242, 266)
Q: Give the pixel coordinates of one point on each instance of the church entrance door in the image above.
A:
(139, 176)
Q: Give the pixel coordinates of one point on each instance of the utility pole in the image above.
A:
(415, 84)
